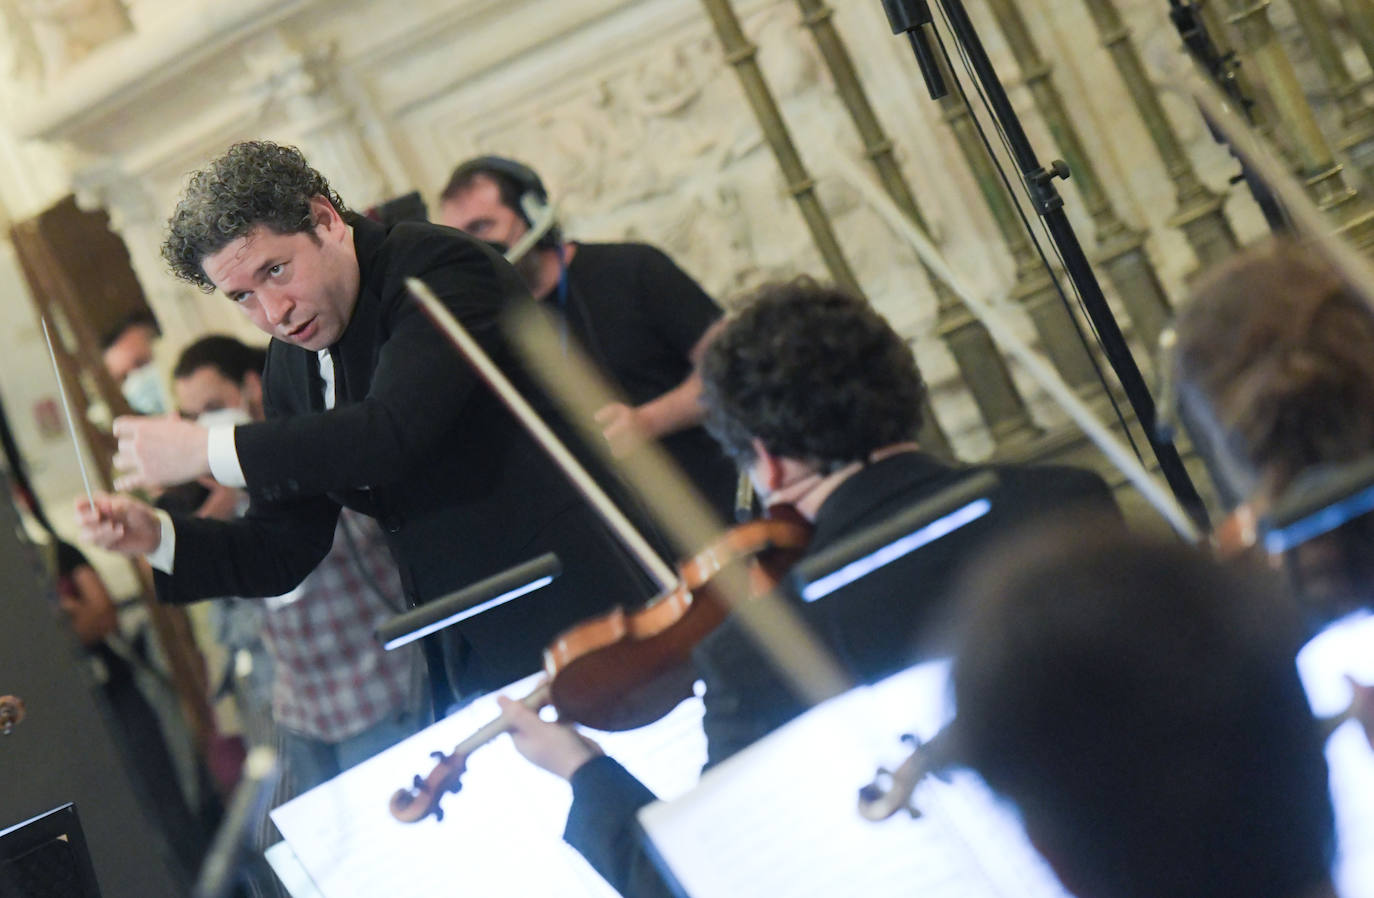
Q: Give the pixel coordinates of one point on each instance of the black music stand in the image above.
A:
(46, 857)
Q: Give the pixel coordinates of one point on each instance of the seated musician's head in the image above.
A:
(1139, 703)
(220, 374)
(1275, 370)
(493, 198)
(805, 380)
(266, 230)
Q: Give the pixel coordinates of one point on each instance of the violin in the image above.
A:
(622, 670)
(625, 669)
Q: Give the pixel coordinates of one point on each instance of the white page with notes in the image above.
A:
(501, 835)
(1346, 649)
(780, 818)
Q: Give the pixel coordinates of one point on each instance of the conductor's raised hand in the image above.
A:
(119, 523)
(159, 451)
(557, 747)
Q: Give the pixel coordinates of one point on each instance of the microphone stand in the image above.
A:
(1222, 67)
(1049, 205)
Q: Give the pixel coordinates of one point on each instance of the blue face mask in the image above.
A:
(144, 391)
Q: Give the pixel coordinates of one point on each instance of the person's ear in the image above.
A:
(327, 219)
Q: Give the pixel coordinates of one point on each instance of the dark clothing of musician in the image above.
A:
(415, 441)
(137, 732)
(877, 626)
(640, 316)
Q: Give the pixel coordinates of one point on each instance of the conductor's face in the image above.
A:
(300, 288)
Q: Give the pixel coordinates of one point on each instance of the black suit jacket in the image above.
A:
(877, 626)
(416, 441)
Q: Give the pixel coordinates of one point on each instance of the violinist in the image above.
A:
(1274, 366)
(367, 407)
(1138, 703)
(818, 399)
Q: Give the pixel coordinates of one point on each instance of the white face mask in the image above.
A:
(230, 417)
(144, 390)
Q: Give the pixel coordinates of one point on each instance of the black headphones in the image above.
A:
(531, 189)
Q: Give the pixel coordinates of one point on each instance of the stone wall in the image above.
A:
(626, 106)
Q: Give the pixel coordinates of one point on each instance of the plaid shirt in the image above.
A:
(333, 680)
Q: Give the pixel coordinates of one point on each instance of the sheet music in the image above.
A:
(773, 821)
(501, 835)
(291, 872)
(1347, 648)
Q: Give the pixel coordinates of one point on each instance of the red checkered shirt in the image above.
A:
(332, 679)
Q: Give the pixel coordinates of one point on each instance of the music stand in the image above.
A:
(47, 857)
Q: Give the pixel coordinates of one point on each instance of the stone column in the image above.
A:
(1297, 126)
(1361, 16)
(1121, 249)
(299, 86)
(742, 55)
(1034, 289)
(1357, 118)
(180, 309)
(980, 365)
(1199, 214)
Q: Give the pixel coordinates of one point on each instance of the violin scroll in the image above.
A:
(422, 798)
(891, 790)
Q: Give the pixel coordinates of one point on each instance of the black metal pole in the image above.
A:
(1221, 67)
(1049, 205)
(912, 18)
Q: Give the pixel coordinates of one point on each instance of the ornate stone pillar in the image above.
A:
(1121, 249)
(296, 87)
(181, 310)
(1361, 16)
(981, 366)
(1033, 289)
(1357, 117)
(1199, 214)
(1297, 126)
(742, 55)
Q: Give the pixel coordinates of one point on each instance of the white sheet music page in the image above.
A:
(1346, 648)
(781, 819)
(501, 835)
(289, 870)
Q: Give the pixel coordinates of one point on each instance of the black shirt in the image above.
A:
(875, 627)
(639, 316)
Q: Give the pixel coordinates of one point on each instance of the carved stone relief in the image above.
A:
(65, 31)
(656, 143)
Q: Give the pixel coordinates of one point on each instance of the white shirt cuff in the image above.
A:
(161, 558)
(223, 456)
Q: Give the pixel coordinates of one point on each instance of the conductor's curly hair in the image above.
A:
(814, 373)
(254, 183)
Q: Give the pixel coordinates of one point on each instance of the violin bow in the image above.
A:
(657, 569)
(675, 505)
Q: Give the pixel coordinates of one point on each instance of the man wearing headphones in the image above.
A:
(641, 318)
